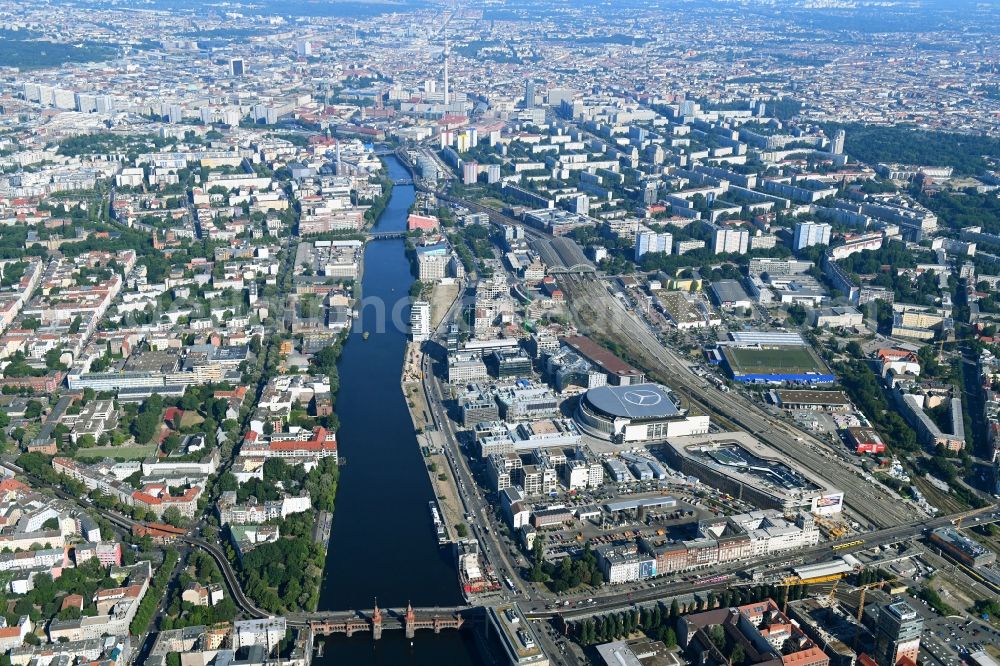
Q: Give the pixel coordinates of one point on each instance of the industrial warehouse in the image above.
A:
(738, 464)
(638, 413)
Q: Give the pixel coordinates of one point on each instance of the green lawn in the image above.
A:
(136, 452)
(798, 360)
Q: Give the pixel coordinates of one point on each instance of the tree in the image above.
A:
(173, 516)
(461, 530)
(33, 410)
(227, 482)
(70, 613)
(171, 443)
(718, 636)
(738, 656)
(797, 314)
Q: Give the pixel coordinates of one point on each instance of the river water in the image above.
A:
(383, 545)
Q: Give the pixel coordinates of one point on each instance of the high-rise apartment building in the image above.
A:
(808, 234)
(651, 241)
(529, 93)
(470, 173)
(838, 142)
(730, 240)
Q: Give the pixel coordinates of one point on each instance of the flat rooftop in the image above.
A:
(729, 291)
(742, 457)
(822, 398)
(517, 635)
(628, 505)
(600, 356)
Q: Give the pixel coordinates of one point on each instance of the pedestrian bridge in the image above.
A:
(402, 181)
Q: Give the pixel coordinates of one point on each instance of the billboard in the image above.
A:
(828, 504)
(647, 568)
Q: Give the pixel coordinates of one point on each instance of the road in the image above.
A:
(126, 523)
(811, 555)
(473, 503)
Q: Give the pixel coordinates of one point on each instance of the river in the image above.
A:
(383, 545)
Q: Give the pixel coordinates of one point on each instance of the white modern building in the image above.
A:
(635, 413)
(420, 321)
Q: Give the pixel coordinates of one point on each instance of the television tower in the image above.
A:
(446, 53)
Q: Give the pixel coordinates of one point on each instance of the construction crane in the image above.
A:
(969, 514)
(789, 581)
(832, 530)
(833, 591)
(861, 605)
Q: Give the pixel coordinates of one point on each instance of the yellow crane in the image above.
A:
(861, 604)
(969, 514)
(833, 591)
(832, 530)
(795, 580)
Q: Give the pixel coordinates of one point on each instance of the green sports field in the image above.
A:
(774, 360)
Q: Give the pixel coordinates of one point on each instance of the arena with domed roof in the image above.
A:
(635, 413)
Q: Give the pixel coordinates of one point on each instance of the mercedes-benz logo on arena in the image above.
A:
(643, 398)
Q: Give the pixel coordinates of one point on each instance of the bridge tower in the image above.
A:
(377, 622)
(410, 622)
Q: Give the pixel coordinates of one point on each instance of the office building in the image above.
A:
(529, 93)
(304, 48)
(432, 262)
(267, 633)
(236, 67)
(808, 234)
(897, 634)
(420, 321)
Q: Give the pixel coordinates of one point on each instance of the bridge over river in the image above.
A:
(383, 235)
(377, 620)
